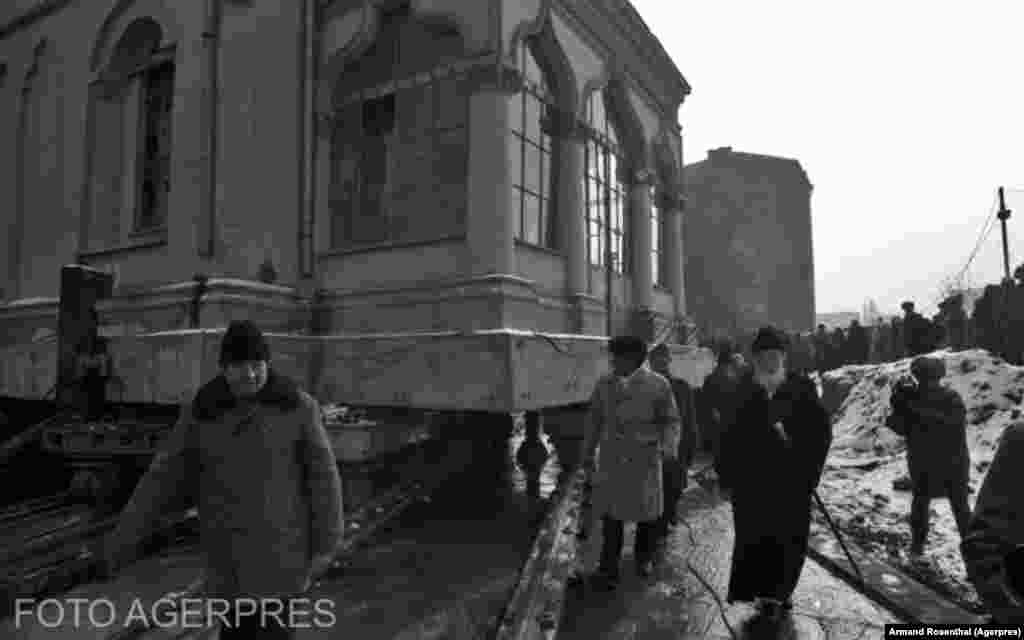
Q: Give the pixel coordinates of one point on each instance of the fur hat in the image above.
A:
(769, 338)
(627, 346)
(924, 367)
(243, 341)
(660, 349)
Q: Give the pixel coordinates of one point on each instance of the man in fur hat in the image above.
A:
(933, 420)
(634, 421)
(253, 447)
(772, 453)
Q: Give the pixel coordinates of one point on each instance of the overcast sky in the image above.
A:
(906, 115)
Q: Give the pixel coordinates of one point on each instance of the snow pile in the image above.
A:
(866, 458)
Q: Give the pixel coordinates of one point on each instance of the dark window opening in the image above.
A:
(157, 112)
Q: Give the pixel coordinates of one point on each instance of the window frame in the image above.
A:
(542, 97)
(161, 58)
(340, 212)
(610, 188)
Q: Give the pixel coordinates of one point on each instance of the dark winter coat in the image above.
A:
(858, 345)
(997, 525)
(716, 401)
(934, 423)
(268, 487)
(772, 482)
(918, 334)
(687, 407)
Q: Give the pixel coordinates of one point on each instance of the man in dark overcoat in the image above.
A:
(253, 447)
(675, 472)
(634, 424)
(771, 458)
(717, 396)
(996, 531)
(933, 420)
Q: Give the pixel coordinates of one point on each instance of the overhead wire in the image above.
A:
(982, 236)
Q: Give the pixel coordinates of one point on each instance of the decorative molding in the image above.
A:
(41, 48)
(494, 78)
(613, 35)
(528, 28)
(644, 177)
(40, 10)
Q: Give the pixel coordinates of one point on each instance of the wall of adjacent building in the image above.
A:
(748, 244)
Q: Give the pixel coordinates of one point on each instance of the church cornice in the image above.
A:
(621, 36)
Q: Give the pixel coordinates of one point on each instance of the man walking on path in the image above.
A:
(675, 472)
(634, 423)
(717, 396)
(270, 503)
(933, 420)
(996, 531)
(771, 458)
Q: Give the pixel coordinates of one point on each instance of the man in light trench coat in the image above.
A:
(253, 446)
(634, 422)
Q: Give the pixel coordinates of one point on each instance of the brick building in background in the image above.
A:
(747, 241)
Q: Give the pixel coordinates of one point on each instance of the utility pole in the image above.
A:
(1004, 215)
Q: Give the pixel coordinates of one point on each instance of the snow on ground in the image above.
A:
(866, 458)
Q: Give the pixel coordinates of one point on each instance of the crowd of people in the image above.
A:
(759, 417)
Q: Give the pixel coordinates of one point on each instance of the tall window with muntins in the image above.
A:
(657, 240)
(399, 144)
(155, 183)
(604, 192)
(531, 171)
(131, 107)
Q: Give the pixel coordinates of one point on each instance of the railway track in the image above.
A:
(461, 547)
(15, 512)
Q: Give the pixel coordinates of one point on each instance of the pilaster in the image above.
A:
(490, 223)
(568, 137)
(673, 208)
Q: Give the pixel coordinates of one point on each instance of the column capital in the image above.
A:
(490, 78)
(323, 124)
(643, 177)
(562, 124)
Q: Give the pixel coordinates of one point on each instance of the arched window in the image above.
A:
(133, 105)
(531, 172)
(399, 147)
(603, 189)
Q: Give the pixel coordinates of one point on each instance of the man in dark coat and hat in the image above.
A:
(771, 457)
(676, 471)
(933, 420)
(253, 448)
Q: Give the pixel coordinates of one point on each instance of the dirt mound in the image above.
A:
(867, 458)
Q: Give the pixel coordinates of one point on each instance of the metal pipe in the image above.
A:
(211, 99)
(608, 266)
(309, 141)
